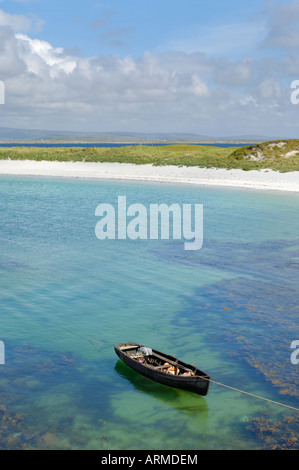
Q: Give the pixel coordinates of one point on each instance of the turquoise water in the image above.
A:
(66, 298)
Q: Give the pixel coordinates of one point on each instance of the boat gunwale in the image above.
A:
(176, 362)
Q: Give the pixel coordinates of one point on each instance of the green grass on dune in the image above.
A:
(253, 157)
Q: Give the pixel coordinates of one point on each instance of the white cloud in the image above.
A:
(16, 22)
(20, 23)
(269, 88)
(11, 65)
(39, 54)
(234, 73)
(49, 87)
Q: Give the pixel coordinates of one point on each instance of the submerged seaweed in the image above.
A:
(230, 307)
(32, 377)
(254, 315)
(279, 435)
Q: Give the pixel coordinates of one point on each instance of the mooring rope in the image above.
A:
(251, 394)
(221, 384)
(102, 342)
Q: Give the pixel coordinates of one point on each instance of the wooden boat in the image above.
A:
(163, 368)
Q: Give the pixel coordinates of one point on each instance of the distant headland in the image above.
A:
(13, 135)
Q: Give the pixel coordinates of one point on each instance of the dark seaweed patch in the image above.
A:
(30, 376)
(281, 435)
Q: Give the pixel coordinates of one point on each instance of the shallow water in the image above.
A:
(66, 298)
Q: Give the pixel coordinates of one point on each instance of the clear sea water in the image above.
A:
(66, 298)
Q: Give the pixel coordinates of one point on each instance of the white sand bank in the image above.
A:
(263, 179)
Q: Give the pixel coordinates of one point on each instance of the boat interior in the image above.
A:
(149, 358)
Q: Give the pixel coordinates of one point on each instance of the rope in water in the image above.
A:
(101, 342)
(251, 394)
(227, 386)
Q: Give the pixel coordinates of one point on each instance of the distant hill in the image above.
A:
(12, 135)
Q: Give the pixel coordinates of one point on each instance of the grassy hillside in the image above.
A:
(277, 155)
(282, 155)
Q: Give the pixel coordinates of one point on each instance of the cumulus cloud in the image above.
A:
(40, 55)
(49, 87)
(11, 65)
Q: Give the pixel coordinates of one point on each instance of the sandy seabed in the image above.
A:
(254, 179)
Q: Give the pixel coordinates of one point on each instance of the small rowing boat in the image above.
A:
(162, 368)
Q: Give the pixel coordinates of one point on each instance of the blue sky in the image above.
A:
(216, 68)
(133, 27)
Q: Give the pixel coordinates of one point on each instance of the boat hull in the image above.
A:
(199, 383)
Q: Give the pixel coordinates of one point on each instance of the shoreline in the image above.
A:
(253, 179)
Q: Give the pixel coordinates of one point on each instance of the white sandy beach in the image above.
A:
(262, 179)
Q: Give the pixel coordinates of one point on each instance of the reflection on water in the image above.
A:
(183, 401)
